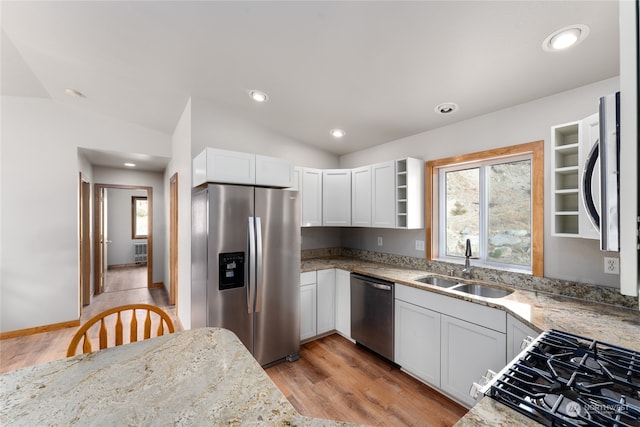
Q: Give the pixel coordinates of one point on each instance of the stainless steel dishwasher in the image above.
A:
(372, 314)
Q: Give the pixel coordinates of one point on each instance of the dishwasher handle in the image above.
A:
(378, 286)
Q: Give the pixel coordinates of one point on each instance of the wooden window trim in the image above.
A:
(536, 149)
(134, 199)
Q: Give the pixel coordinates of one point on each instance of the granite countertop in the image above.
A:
(539, 310)
(198, 377)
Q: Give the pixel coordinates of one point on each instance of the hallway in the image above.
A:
(35, 349)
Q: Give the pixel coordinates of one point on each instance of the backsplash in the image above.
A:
(567, 288)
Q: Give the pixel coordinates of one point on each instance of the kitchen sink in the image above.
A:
(437, 281)
(482, 290)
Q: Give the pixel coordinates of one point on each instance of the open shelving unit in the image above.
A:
(566, 179)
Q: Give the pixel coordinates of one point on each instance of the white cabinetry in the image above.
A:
(307, 305)
(417, 341)
(343, 303)
(571, 143)
(516, 334)
(311, 197)
(234, 167)
(383, 195)
(361, 197)
(447, 342)
(467, 351)
(336, 197)
(326, 301)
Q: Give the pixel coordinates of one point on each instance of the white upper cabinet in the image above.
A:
(274, 172)
(234, 167)
(361, 197)
(383, 195)
(311, 196)
(336, 197)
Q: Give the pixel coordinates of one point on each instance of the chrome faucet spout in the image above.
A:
(466, 272)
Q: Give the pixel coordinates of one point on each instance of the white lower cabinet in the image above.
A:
(326, 302)
(467, 351)
(343, 302)
(308, 305)
(516, 334)
(417, 341)
(447, 342)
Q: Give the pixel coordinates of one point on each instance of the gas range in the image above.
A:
(563, 379)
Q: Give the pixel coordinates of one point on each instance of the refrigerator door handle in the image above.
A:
(258, 261)
(251, 282)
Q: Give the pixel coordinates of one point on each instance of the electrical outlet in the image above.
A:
(379, 240)
(419, 245)
(611, 265)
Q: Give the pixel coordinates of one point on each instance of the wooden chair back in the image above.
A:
(113, 319)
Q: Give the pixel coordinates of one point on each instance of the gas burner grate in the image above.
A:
(567, 380)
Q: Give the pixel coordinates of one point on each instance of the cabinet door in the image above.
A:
(326, 305)
(516, 333)
(274, 171)
(467, 351)
(311, 197)
(224, 166)
(343, 302)
(336, 197)
(307, 311)
(417, 341)
(383, 198)
(361, 197)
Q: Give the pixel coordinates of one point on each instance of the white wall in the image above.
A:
(181, 164)
(565, 258)
(39, 169)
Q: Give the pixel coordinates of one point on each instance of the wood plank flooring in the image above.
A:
(337, 380)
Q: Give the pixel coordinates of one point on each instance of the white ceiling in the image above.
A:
(375, 69)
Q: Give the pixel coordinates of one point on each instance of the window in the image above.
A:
(139, 217)
(493, 198)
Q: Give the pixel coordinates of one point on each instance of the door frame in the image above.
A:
(84, 225)
(173, 240)
(98, 231)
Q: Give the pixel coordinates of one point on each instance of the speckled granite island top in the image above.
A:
(192, 378)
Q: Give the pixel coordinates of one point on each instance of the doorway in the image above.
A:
(131, 255)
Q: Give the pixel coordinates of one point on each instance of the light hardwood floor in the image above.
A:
(338, 380)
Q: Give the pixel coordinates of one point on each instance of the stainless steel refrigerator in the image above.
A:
(245, 268)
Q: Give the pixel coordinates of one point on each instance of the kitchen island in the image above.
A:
(198, 377)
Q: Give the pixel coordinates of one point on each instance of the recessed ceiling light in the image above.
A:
(74, 93)
(565, 38)
(130, 165)
(337, 133)
(259, 96)
(446, 108)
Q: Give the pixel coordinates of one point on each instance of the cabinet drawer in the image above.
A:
(482, 315)
(307, 278)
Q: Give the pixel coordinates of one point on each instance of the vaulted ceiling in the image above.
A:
(374, 69)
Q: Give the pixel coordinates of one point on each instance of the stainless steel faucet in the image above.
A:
(466, 272)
